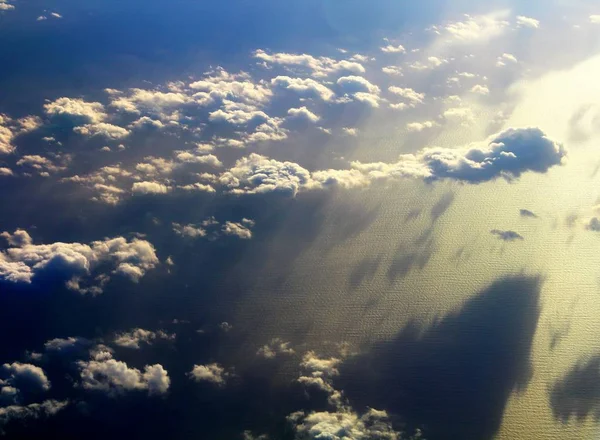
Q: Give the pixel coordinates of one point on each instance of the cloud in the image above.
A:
(275, 348)
(76, 262)
(77, 110)
(523, 21)
(507, 235)
(390, 48)
(5, 6)
(507, 154)
(103, 129)
(32, 411)
(475, 29)
(105, 374)
(205, 159)
(149, 187)
(593, 224)
(63, 345)
(212, 373)
(319, 67)
(303, 113)
(408, 94)
(19, 238)
(240, 87)
(241, 230)
(595, 19)
(135, 337)
(190, 231)
(420, 126)
(25, 376)
(257, 174)
(392, 70)
(480, 89)
(343, 424)
(306, 87)
(148, 101)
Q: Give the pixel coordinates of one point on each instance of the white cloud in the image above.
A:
(189, 231)
(76, 109)
(476, 29)
(595, 19)
(319, 67)
(275, 348)
(212, 373)
(420, 126)
(75, 262)
(148, 187)
(18, 238)
(304, 87)
(104, 129)
(241, 229)
(480, 89)
(392, 70)
(205, 159)
(5, 6)
(6, 135)
(303, 113)
(137, 336)
(409, 94)
(523, 21)
(103, 373)
(390, 48)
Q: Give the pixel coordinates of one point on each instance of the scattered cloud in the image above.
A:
(135, 337)
(212, 373)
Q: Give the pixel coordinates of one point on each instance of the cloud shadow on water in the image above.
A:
(577, 395)
(455, 378)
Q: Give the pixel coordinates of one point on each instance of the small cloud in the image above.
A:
(523, 21)
(527, 213)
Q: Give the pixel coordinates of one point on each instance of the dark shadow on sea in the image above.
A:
(454, 378)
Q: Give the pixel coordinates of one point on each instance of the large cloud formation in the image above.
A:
(74, 262)
(506, 155)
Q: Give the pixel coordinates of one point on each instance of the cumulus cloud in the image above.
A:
(25, 376)
(241, 230)
(480, 89)
(103, 129)
(475, 29)
(275, 348)
(411, 97)
(148, 101)
(137, 336)
(508, 155)
(390, 48)
(222, 85)
(149, 187)
(305, 87)
(77, 110)
(507, 235)
(190, 231)
(420, 126)
(304, 114)
(105, 374)
(212, 373)
(5, 5)
(32, 411)
(76, 262)
(18, 238)
(319, 67)
(63, 345)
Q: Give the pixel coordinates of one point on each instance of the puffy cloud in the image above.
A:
(343, 424)
(221, 85)
(42, 164)
(507, 154)
(105, 374)
(18, 238)
(480, 89)
(77, 110)
(507, 235)
(149, 187)
(148, 101)
(408, 94)
(523, 21)
(462, 115)
(75, 262)
(146, 122)
(506, 58)
(303, 113)
(392, 70)
(212, 373)
(320, 67)
(6, 172)
(274, 348)
(6, 135)
(257, 174)
(5, 6)
(390, 48)
(353, 84)
(61, 345)
(241, 230)
(26, 376)
(420, 126)
(135, 337)
(32, 411)
(206, 159)
(104, 129)
(304, 87)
